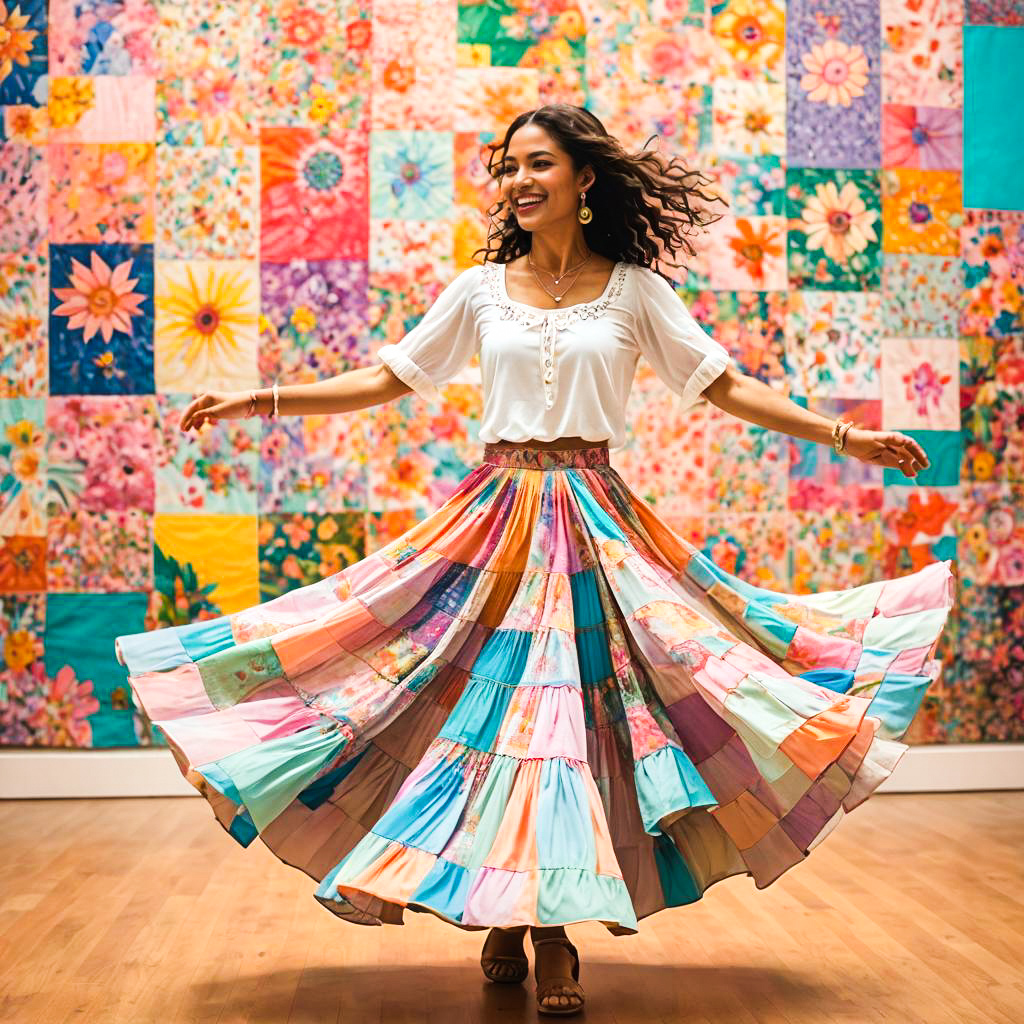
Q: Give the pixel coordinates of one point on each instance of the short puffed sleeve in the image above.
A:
(443, 341)
(680, 351)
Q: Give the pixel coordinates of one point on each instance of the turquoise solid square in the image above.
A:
(993, 136)
(944, 449)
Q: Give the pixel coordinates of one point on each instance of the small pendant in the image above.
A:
(558, 298)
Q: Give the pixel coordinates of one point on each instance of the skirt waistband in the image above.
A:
(497, 454)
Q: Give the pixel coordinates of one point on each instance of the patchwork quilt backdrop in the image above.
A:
(208, 195)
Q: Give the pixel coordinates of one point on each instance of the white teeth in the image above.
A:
(521, 205)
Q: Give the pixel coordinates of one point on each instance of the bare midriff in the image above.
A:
(559, 444)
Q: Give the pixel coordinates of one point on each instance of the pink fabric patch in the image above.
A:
(822, 650)
(558, 727)
(930, 587)
(911, 660)
(175, 693)
(500, 896)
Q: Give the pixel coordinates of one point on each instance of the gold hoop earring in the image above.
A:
(585, 215)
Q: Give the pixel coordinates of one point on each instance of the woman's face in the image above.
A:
(535, 166)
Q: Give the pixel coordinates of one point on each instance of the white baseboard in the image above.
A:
(38, 773)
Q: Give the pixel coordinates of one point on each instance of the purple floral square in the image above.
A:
(314, 319)
(833, 127)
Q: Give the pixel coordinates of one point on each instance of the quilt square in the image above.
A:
(833, 344)
(108, 552)
(23, 26)
(91, 703)
(992, 430)
(922, 52)
(100, 453)
(991, 530)
(923, 138)
(992, 250)
(314, 202)
(487, 99)
(418, 455)
(315, 463)
(748, 253)
(101, 192)
(834, 218)
(748, 118)
(24, 370)
(749, 39)
(23, 184)
(920, 383)
(106, 38)
(412, 175)
(315, 319)
(752, 546)
(834, 554)
(206, 565)
(101, 319)
(206, 329)
(752, 185)
(750, 325)
(921, 211)
(920, 294)
(314, 64)
(207, 201)
(819, 478)
(22, 467)
(213, 471)
(300, 548)
(748, 466)
(412, 69)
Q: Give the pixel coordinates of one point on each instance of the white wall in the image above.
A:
(154, 772)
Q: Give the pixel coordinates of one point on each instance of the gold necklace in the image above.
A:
(578, 269)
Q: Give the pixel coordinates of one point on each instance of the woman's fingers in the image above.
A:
(903, 453)
(199, 409)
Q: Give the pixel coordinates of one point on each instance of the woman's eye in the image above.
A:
(509, 169)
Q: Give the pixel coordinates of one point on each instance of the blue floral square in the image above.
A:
(412, 175)
(101, 319)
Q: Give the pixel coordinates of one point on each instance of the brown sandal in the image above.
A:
(516, 977)
(546, 992)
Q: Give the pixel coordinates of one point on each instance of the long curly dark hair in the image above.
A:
(645, 206)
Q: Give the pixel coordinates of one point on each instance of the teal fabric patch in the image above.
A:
(676, 881)
(993, 133)
(445, 888)
(207, 637)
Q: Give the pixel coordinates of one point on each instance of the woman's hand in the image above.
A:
(886, 448)
(211, 406)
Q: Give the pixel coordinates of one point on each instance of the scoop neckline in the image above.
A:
(556, 309)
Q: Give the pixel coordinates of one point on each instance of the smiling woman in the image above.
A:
(540, 705)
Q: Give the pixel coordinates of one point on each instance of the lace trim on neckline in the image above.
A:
(525, 314)
(551, 320)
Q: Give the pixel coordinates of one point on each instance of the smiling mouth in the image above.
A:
(526, 207)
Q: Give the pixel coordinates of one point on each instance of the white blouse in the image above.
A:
(551, 373)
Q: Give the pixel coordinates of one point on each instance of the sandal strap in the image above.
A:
(562, 940)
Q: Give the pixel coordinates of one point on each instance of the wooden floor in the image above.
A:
(131, 911)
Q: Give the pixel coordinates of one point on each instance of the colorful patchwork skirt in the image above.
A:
(541, 706)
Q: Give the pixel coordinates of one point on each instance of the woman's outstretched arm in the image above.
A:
(353, 389)
(756, 402)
